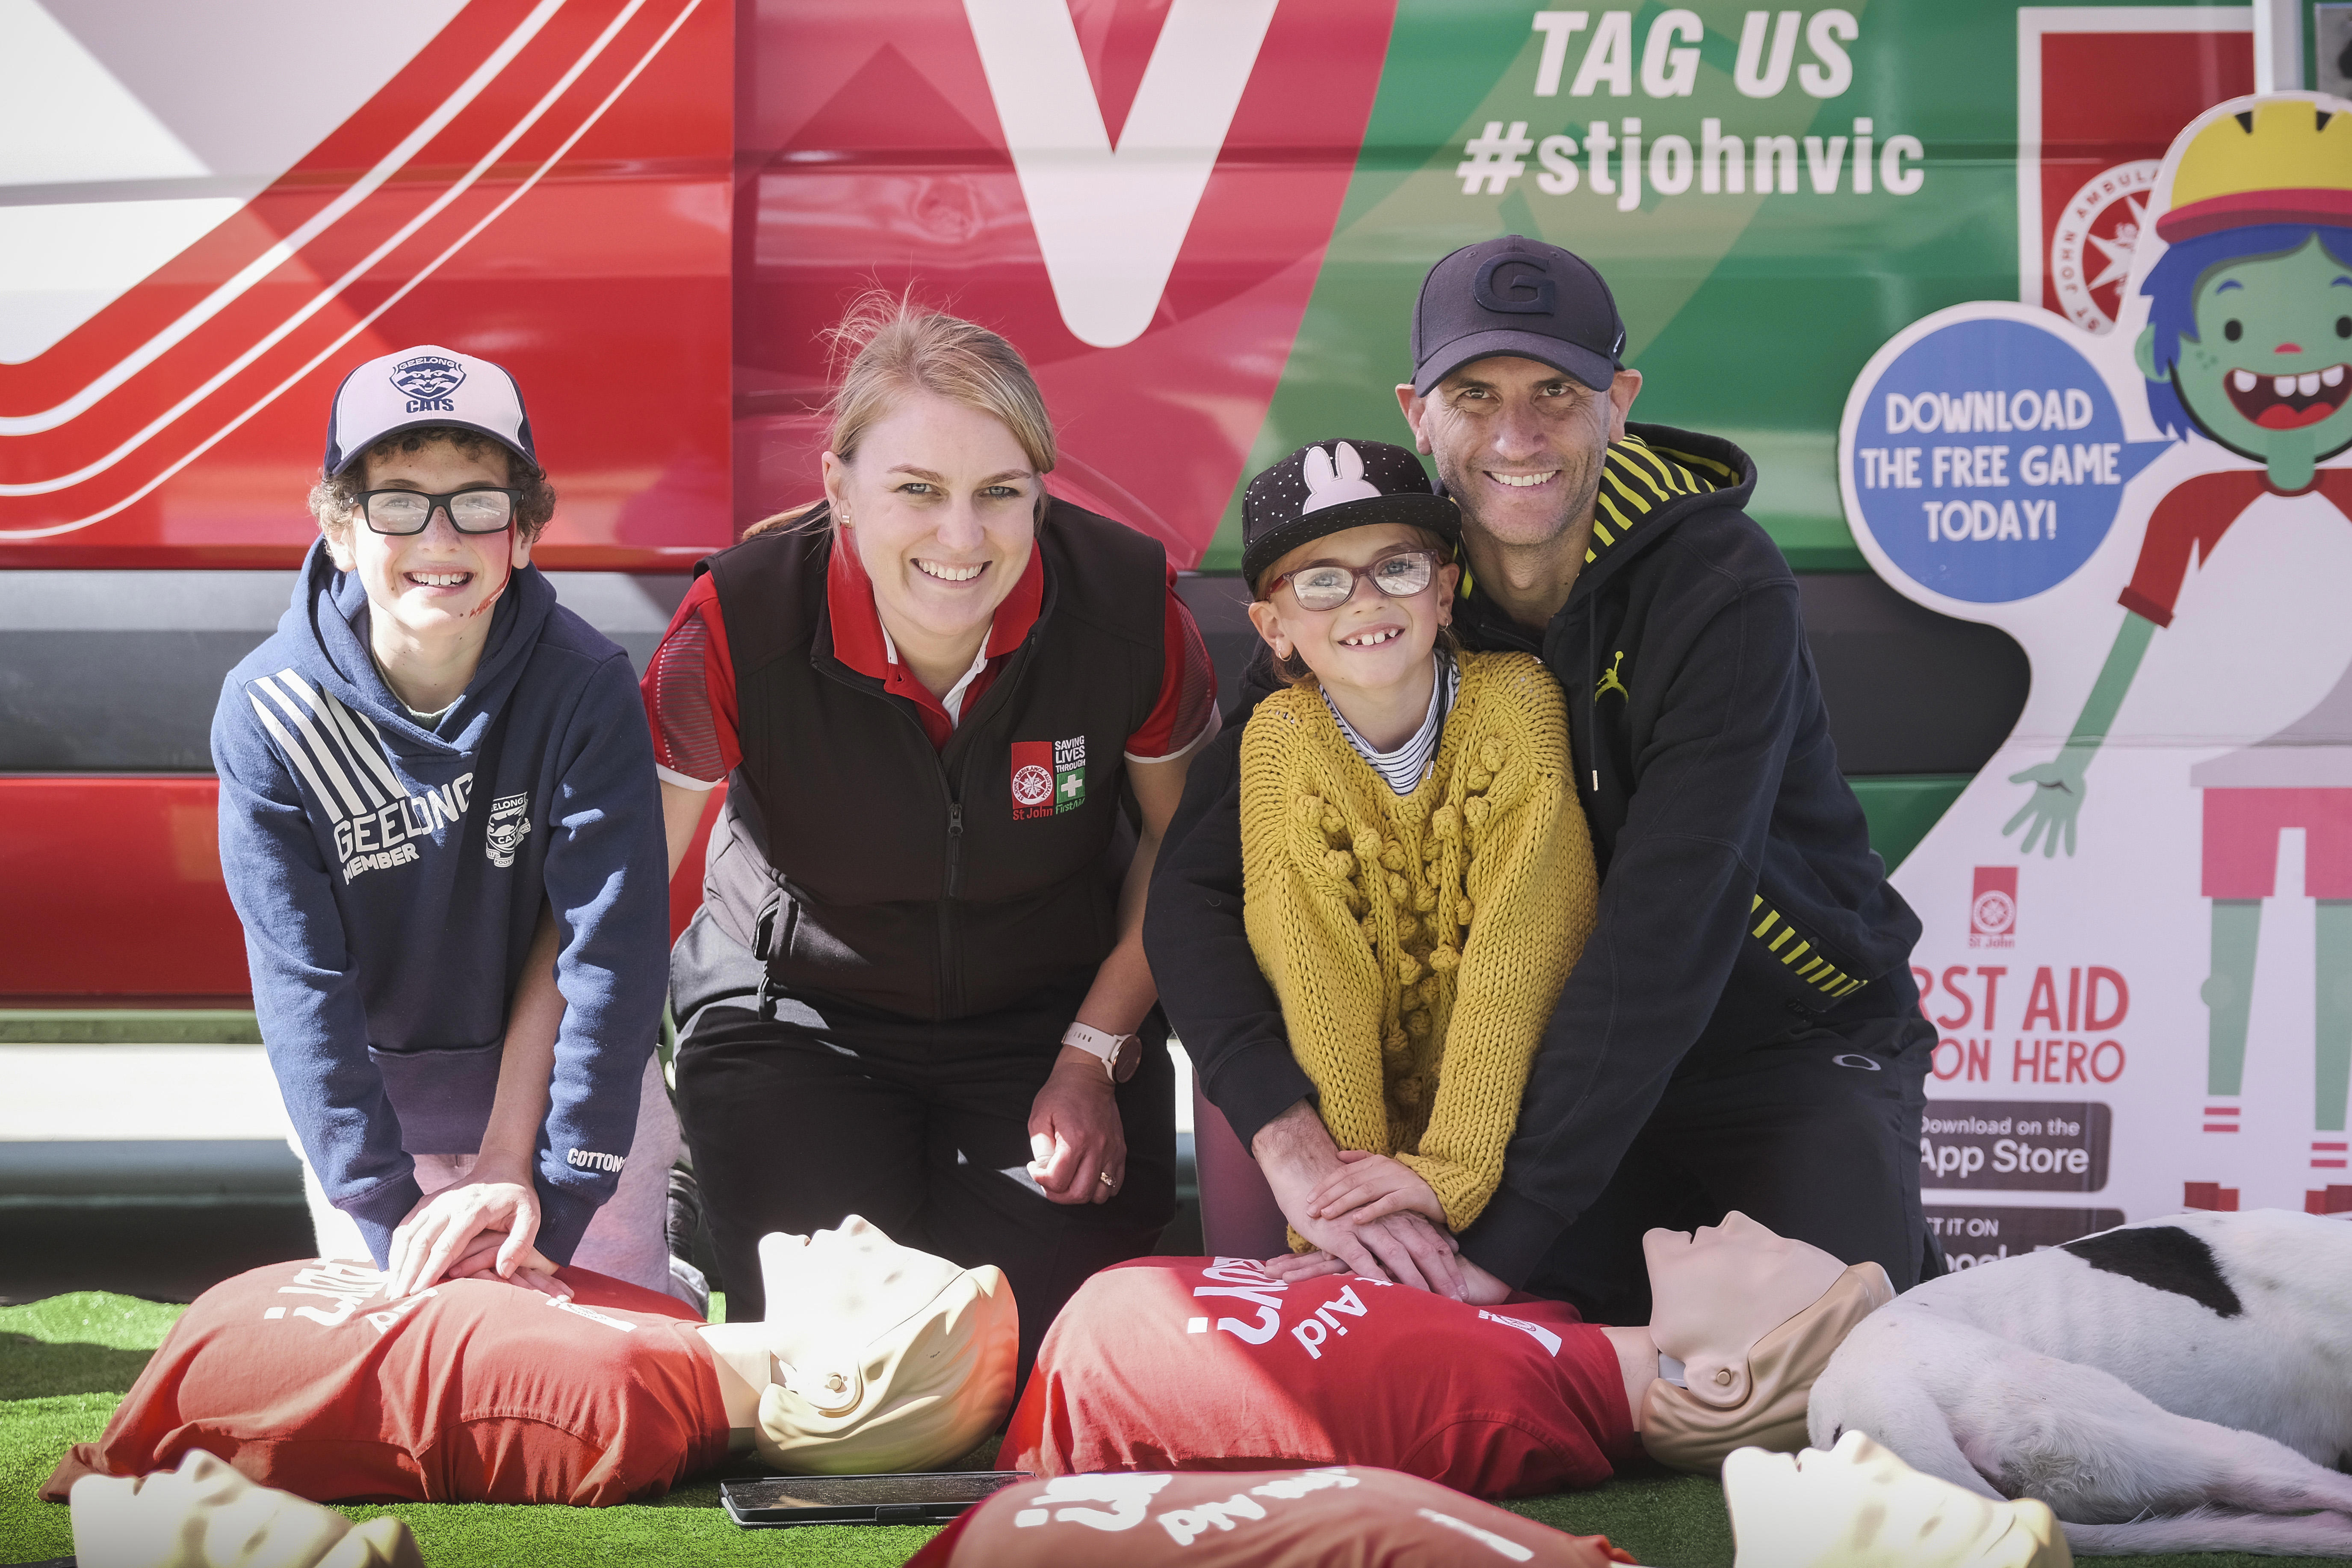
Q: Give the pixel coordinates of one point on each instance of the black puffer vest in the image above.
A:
(858, 863)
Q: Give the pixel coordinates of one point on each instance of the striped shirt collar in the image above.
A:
(1403, 769)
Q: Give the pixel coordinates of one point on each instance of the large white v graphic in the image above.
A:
(1111, 222)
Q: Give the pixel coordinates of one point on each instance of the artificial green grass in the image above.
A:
(65, 1362)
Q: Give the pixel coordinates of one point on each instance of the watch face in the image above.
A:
(1129, 1056)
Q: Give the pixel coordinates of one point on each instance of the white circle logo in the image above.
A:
(1031, 786)
(1994, 913)
(2091, 247)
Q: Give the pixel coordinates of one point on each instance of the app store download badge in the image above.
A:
(1985, 454)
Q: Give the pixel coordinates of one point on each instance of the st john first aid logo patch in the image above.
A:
(1048, 777)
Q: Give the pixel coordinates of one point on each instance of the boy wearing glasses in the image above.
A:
(439, 825)
(1418, 881)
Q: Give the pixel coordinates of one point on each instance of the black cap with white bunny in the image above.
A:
(1333, 485)
(425, 385)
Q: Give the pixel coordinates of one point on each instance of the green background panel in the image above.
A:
(1748, 315)
(1900, 810)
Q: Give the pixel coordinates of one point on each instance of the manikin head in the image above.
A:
(1858, 1505)
(1752, 1316)
(206, 1515)
(891, 1359)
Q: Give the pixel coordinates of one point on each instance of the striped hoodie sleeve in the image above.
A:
(305, 990)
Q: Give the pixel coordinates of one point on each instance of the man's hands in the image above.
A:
(1075, 1132)
(481, 1228)
(1370, 1187)
(1295, 1152)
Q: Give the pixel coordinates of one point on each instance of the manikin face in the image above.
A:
(1519, 443)
(830, 1293)
(1858, 1503)
(439, 582)
(1714, 1292)
(1373, 641)
(205, 1505)
(940, 504)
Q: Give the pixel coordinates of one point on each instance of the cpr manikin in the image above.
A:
(1212, 1363)
(206, 1515)
(1741, 1321)
(303, 1376)
(873, 1356)
(1858, 1505)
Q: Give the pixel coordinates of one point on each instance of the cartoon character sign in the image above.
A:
(2171, 783)
(2249, 314)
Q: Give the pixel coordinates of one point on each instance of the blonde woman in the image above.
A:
(917, 989)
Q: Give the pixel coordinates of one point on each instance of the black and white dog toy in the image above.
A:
(2181, 1385)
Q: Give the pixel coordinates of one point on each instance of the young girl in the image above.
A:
(1417, 878)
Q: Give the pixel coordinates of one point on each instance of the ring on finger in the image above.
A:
(1105, 1178)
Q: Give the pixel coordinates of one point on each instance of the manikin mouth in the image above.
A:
(2287, 402)
(941, 572)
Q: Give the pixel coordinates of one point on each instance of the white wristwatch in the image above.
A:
(1120, 1054)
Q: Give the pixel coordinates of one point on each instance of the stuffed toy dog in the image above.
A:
(2182, 1384)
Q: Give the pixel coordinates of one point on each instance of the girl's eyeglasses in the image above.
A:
(1331, 585)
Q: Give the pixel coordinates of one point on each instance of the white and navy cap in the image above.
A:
(427, 385)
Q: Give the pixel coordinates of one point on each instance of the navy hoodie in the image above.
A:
(390, 880)
(1739, 897)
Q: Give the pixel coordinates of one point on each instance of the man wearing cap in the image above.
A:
(439, 825)
(1741, 1029)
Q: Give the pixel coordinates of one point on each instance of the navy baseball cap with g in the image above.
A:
(1515, 296)
(424, 386)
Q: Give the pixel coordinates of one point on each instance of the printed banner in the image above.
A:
(2139, 915)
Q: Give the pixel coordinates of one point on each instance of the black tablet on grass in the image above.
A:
(924, 1497)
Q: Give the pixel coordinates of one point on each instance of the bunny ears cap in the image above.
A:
(1331, 486)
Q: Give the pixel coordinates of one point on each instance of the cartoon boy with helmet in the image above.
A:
(2249, 341)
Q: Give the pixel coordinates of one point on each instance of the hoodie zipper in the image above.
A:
(951, 993)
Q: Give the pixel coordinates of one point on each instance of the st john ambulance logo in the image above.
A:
(1032, 779)
(1049, 777)
(2091, 248)
(428, 381)
(1992, 908)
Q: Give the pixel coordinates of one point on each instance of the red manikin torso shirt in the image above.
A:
(1208, 1364)
(1344, 1517)
(304, 1378)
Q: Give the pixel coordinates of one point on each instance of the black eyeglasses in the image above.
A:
(470, 511)
(1331, 585)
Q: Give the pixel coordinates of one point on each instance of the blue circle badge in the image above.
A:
(1988, 459)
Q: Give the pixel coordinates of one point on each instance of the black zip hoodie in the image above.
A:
(1739, 897)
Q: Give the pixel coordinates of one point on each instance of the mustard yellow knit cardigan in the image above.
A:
(1418, 942)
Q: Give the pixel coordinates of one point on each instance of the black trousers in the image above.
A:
(1816, 1134)
(801, 1112)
